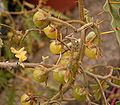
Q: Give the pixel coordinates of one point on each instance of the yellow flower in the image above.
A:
(20, 54)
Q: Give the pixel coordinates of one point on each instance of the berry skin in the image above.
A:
(58, 76)
(39, 20)
(50, 31)
(65, 58)
(92, 36)
(39, 74)
(79, 93)
(55, 47)
(91, 52)
(24, 99)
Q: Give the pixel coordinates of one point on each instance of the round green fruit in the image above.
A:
(58, 76)
(50, 31)
(55, 47)
(39, 74)
(24, 99)
(79, 93)
(39, 20)
(91, 35)
(65, 59)
(91, 52)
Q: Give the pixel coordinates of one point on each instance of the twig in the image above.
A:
(112, 84)
(101, 89)
(4, 25)
(116, 68)
(27, 65)
(85, 26)
(66, 87)
(96, 78)
(19, 77)
(114, 2)
(26, 33)
(24, 12)
(81, 10)
(93, 103)
(61, 21)
(107, 32)
(103, 78)
(99, 76)
(76, 21)
(64, 44)
(59, 59)
(113, 77)
(11, 28)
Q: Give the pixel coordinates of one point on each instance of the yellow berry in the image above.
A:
(39, 20)
(24, 99)
(58, 76)
(91, 52)
(50, 31)
(39, 74)
(55, 47)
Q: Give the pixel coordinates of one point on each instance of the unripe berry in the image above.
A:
(50, 31)
(39, 74)
(55, 47)
(40, 20)
(59, 75)
(92, 36)
(24, 99)
(91, 52)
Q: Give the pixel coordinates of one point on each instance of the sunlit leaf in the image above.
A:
(113, 9)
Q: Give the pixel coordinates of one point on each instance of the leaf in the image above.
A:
(113, 9)
(117, 103)
(96, 90)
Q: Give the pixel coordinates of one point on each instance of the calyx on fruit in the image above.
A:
(25, 100)
(50, 31)
(40, 19)
(65, 59)
(40, 74)
(79, 93)
(55, 47)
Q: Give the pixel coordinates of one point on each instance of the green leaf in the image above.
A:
(96, 90)
(113, 9)
(117, 103)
